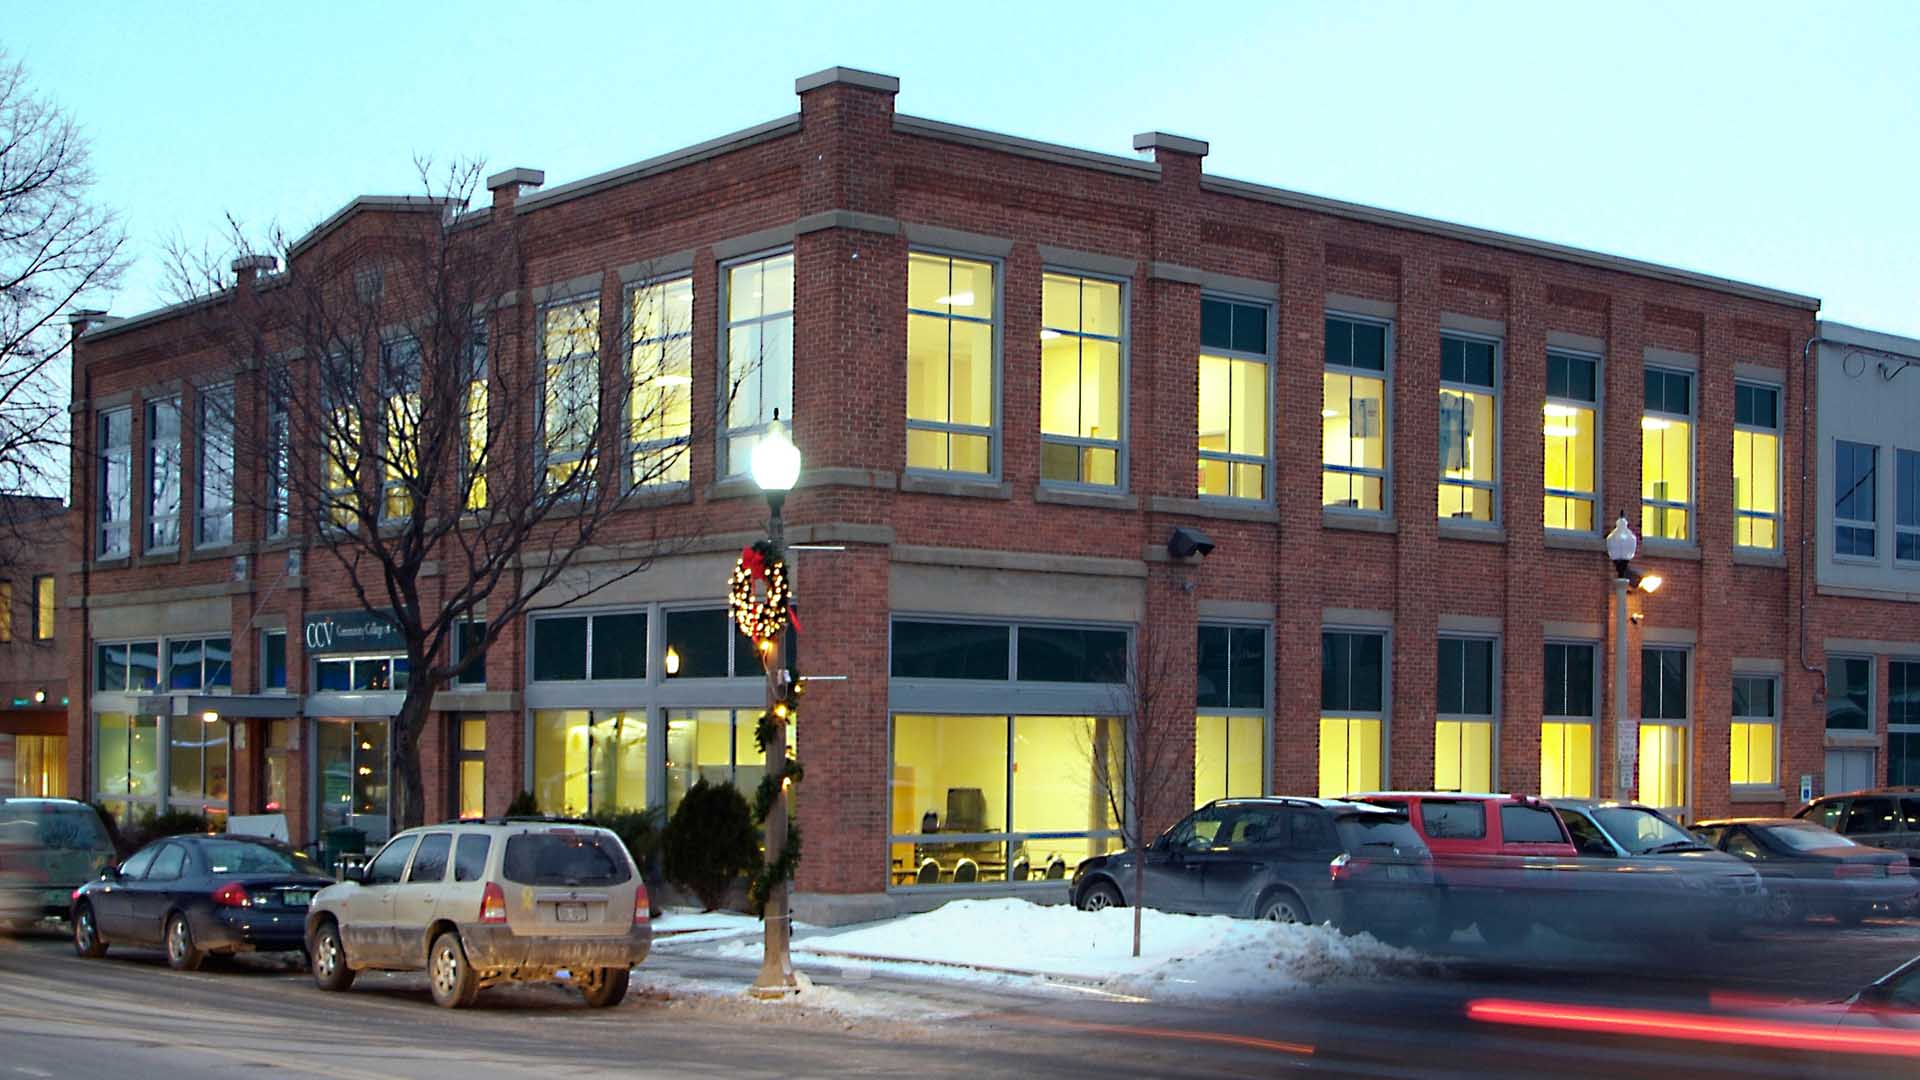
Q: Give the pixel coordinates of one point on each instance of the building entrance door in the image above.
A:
(350, 767)
(1849, 770)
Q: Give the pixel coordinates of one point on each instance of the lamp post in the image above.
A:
(776, 466)
(1621, 545)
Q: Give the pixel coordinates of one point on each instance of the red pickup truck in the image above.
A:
(1494, 857)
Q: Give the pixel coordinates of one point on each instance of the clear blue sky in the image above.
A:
(1768, 142)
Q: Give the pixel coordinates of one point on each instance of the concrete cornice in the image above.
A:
(738, 140)
(1029, 148)
(846, 76)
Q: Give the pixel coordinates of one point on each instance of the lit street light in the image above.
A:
(776, 467)
(1621, 547)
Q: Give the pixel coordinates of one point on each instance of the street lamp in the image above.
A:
(776, 467)
(1621, 546)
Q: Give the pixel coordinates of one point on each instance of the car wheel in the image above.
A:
(452, 978)
(86, 934)
(603, 987)
(1100, 896)
(328, 958)
(1283, 908)
(182, 953)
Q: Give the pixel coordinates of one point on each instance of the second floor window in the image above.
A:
(1571, 427)
(43, 607)
(1469, 429)
(1081, 381)
(1906, 510)
(1756, 466)
(1855, 512)
(116, 483)
(1666, 456)
(1233, 421)
(214, 454)
(950, 369)
(759, 346)
(479, 451)
(570, 349)
(1353, 415)
(279, 494)
(199, 663)
(163, 475)
(400, 418)
(660, 365)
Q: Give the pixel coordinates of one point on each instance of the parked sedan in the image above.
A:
(1661, 879)
(200, 895)
(1812, 870)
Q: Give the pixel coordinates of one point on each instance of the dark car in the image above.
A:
(1666, 880)
(48, 848)
(200, 895)
(1892, 1001)
(1293, 860)
(1882, 817)
(1812, 870)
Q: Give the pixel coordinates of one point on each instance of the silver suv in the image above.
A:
(477, 904)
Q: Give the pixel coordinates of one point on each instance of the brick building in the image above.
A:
(1014, 370)
(34, 660)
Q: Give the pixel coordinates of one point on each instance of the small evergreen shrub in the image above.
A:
(524, 805)
(710, 842)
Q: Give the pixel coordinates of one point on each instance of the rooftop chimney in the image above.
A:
(1176, 155)
(79, 320)
(248, 268)
(506, 187)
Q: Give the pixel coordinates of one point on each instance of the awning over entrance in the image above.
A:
(229, 706)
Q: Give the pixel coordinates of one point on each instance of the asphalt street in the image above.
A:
(130, 1016)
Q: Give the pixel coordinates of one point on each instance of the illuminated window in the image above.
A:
(215, 453)
(1353, 412)
(340, 383)
(1469, 429)
(570, 349)
(1571, 425)
(1234, 355)
(715, 745)
(400, 422)
(589, 761)
(6, 611)
(43, 607)
(1081, 381)
(116, 483)
(1665, 714)
(127, 757)
(660, 365)
(950, 379)
(1666, 456)
(1463, 734)
(470, 800)
(1906, 500)
(1756, 466)
(1352, 693)
(759, 353)
(198, 763)
(279, 743)
(1230, 729)
(1566, 732)
(1855, 508)
(1755, 715)
(478, 458)
(163, 474)
(40, 766)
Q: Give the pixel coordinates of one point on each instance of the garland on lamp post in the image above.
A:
(761, 603)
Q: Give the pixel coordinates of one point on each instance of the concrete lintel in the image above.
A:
(754, 242)
(1669, 635)
(846, 76)
(1361, 305)
(1251, 288)
(476, 701)
(582, 286)
(1468, 624)
(1761, 373)
(1870, 646)
(1069, 259)
(1473, 324)
(1247, 610)
(982, 559)
(1571, 631)
(1747, 665)
(1580, 343)
(1671, 358)
(847, 219)
(672, 264)
(1361, 617)
(956, 240)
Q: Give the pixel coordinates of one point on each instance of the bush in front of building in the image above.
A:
(710, 842)
(524, 805)
(143, 826)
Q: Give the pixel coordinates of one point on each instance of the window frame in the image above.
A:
(723, 398)
(1772, 720)
(1122, 462)
(1386, 376)
(396, 383)
(1266, 359)
(1690, 507)
(45, 621)
(265, 669)
(1685, 724)
(112, 454)
(207, 404)
(1873, 678)
(633, 448)
(544, 459)
(1778, 431)
(1491, 718)
(1492, 487)
(1592, 719)
(1228, 712)
(151, 445)
(650, 662)
(1906, 497)
(1870, 525)
(1384, 714)
(1595, 495)
(996, 326)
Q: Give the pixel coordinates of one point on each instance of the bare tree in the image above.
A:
(55, 246)
(1144, 781)
(389, 410)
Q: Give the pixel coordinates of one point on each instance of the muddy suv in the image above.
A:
(478, 904)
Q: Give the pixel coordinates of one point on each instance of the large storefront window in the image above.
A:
(127, 758)
(1230, 728)
(589, 761)
(1903, 722)
(999, 798)
(715, 745)
(350, 770)
(197, 764)
(1352, 700)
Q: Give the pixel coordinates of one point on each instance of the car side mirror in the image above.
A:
(109, 873)
(355, 874)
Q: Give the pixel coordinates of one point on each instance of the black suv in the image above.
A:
(1285, 859)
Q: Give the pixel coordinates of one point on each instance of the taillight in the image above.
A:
(234, 895)
(642, 909)
(1859, 870)
(493, 904)
(1344, 867)
(75, 895)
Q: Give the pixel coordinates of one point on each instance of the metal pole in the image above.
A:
(776, 965)
(1622, 783)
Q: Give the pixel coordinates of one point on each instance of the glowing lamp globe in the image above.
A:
(776, 461)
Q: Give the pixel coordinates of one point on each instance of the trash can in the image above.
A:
(345, 846)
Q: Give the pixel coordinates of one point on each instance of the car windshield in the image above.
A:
(1379, 833)
(241, 857)
(53, 826)
(1807, 837)
(1643, 831)
(564, 858)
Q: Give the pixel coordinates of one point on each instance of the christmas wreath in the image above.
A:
(763, 612)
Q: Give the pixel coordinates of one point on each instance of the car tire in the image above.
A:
(327, 958)
(1282, 907)
(182, 953)
(1100, 896)
(86, 934)
(451, 978)
(604, 987)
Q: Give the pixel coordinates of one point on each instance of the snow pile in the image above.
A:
(730, 997)
(691, 925)
(1181, 955)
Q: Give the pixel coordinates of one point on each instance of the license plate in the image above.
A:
(1399, 873)
(570, 912)
(296, 899)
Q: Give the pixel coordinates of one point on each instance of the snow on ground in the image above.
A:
(689, 925)
(730, 996)
(1181, 955)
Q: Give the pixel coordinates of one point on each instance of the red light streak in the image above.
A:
(1697, 1027)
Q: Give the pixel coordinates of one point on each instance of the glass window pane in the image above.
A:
(560, 761)
(620, 646)
(926, 449)
(949, 774)
(1370, 346)
(969, 454)
(927, 377)
(1060, 385)
(560, 648)
(971, 374)
(333, 674)
(1451, 677)
(1249, 668)
(1071, 654)
(1216, 324)
(699, 747)
(701, 638)
(1100, 307)
(1067, 773)
(939, 650)
(1212, 682)
(274, 662)
(1099, 389)
(1566, 760)
(1349, 756)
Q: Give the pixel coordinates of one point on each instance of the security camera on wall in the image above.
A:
(1186, 543)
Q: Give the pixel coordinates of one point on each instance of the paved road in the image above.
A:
(129, 1016)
